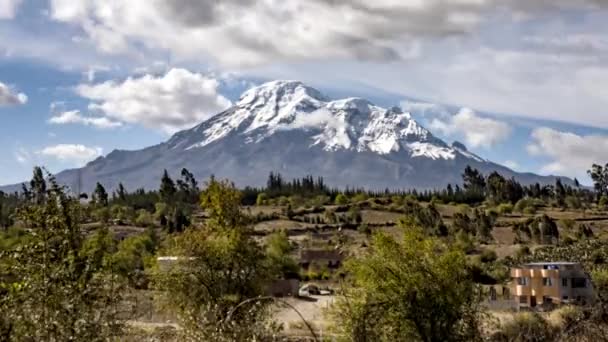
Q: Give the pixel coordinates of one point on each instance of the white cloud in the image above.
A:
(8, 8)
(477, 131)
(10, 97)
(237, 32)
(75, 117)
(73, 153)
(176, 100)
(570, 154)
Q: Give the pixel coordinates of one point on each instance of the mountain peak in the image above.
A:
(280, 91)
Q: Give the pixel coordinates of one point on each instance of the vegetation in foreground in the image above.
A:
(66, 274)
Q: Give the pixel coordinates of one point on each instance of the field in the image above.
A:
(353, 241)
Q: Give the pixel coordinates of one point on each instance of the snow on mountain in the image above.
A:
(346, 124)
(288, 127)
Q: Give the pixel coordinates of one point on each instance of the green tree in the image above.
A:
(341, 199)
(56, 289)
(100, 195)
(121, 193)
(222, 202)
(599, 176)
(278, 249)
(418, 289)
(473, 181)
(38, 185)
(167, 188)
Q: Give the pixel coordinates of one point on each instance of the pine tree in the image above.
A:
(167, 189)
(38, 185)
(100, 195)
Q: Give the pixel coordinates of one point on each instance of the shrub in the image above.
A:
(341, 199)
(464, 209)
(505, 209)
(526, 326)
(488, 256)
(261, 199)
(522, 251)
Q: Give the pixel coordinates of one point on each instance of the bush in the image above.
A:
(526, 326)
(505, 209)
(530, 211)
(144, 218)
(488, 256)
(464, 209)
(522, 251)
(261, 199)
(341, 199)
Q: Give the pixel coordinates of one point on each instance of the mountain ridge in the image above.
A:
(288, 127)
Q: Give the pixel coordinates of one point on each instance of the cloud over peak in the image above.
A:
(477, 131)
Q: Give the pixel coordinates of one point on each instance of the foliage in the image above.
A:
(415, 290)
(525, 327)
(133, 256)
(55, 287)
(219, 269)
(341, 199)
(599, 176)
(222, 201)
(278, 249)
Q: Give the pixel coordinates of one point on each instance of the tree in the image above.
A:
(122, 193)
(222, 201)
(418, 289)
(560, 193)
(100, 196)
(599, 176)
(278, 249)
(38, 185)
(474, 183)
(496, 185)
(57, 288)
(167, 189)
(219, 275)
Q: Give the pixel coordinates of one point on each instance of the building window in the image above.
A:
(523, 299)
(565, 282)
(579, 283)
(523, 281)
(547, 282)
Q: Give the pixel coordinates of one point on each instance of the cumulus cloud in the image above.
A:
(477, 131)
(10, 97)
(75, 117)
(237, 32)
(73, 153)
(176, 100)
(570, 154)
(8, 8)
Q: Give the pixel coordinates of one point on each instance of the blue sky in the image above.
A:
(523, 83)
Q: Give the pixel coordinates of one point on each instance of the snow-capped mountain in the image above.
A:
(288, 127)
(351, 124)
